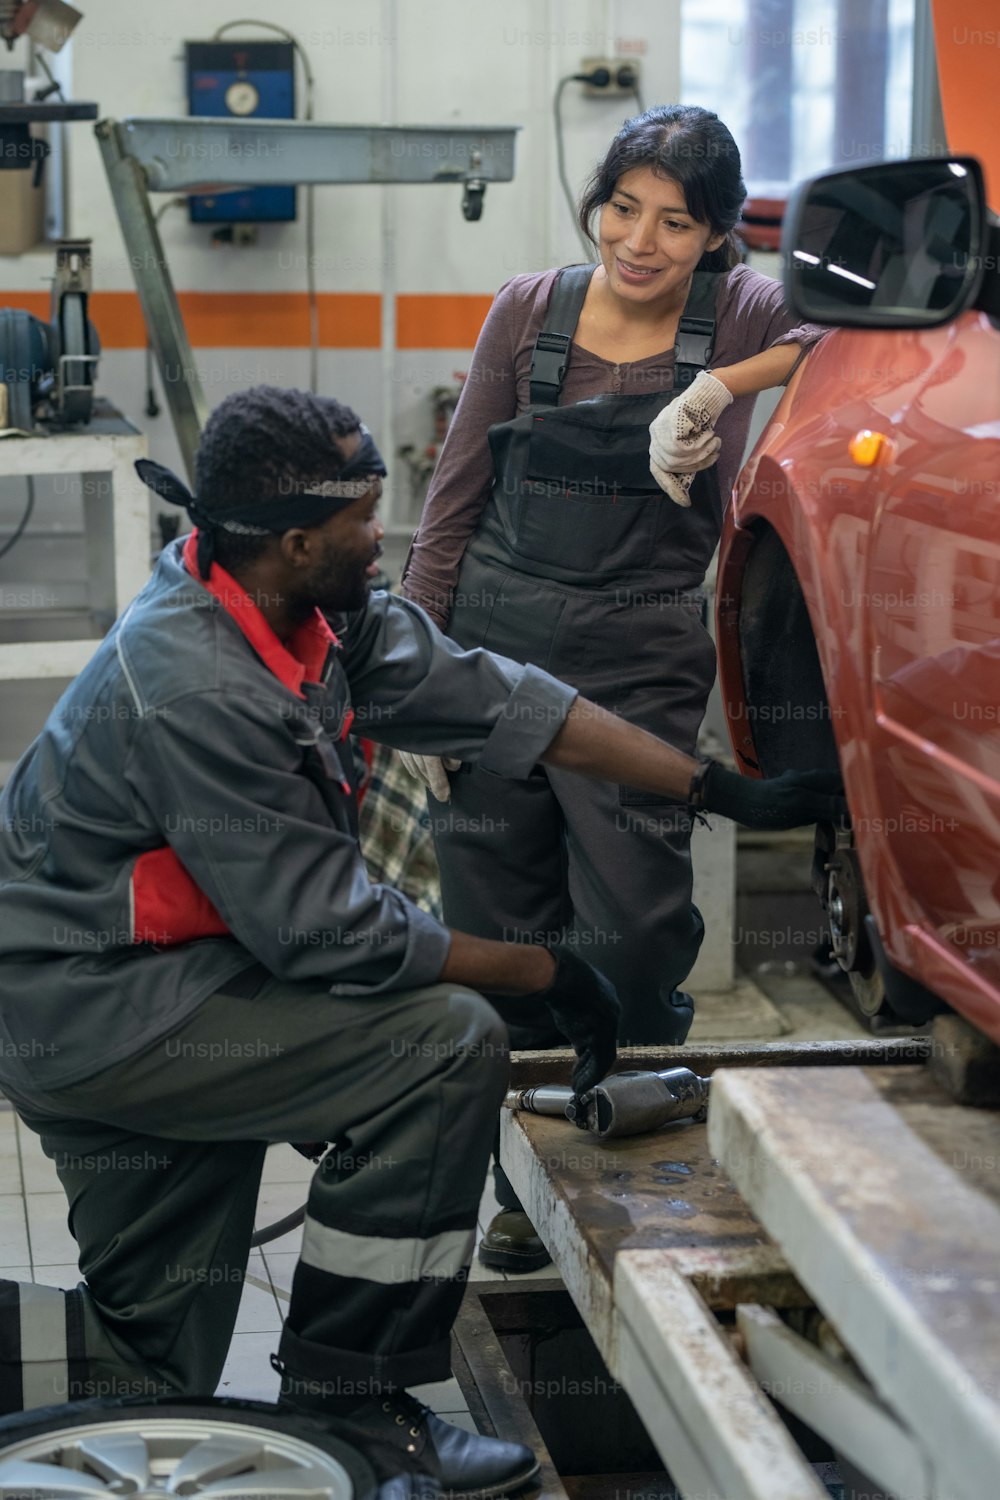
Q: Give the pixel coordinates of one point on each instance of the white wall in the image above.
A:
(384, 61)
(375, 61)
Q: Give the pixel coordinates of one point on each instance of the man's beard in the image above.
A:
(340, 584)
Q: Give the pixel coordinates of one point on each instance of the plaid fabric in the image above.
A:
(395, 831)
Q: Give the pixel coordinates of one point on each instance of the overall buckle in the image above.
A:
(694, 341)
(548, 366)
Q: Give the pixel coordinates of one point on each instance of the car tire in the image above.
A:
(870, 999)
(176, 1446)
(881, 996)
(838, 882)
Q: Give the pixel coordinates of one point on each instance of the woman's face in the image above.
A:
(649, 243)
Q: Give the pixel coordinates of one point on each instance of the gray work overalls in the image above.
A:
(583, 566)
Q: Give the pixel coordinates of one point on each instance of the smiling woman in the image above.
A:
(650, 245)
(554, 500)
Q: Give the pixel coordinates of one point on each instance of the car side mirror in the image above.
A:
(891, 245)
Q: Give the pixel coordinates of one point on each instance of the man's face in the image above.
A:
(330, 566)
(350, 544)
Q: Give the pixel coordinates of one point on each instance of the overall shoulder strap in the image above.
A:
(550, 358)
(696, 329)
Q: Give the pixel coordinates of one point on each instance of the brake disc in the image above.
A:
(843, 895)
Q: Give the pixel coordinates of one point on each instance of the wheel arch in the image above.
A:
(777, 705)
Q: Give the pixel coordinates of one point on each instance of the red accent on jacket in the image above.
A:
(167, 906)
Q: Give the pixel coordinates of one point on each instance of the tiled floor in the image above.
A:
(35, 1245)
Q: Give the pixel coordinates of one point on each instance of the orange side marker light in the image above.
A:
(867, 448)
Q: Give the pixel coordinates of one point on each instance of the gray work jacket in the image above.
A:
(188, 809)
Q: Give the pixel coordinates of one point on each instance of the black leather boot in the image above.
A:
(11, 1393)
(511, 1243)
(404, 1440)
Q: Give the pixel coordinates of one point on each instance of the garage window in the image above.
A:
(804, 85)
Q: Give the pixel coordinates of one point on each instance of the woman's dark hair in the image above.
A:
(693, 147)
(259, 442)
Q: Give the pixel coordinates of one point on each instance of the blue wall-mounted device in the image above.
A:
(242, 79)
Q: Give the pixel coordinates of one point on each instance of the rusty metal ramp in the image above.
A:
(657, 1249)
(883, 1196)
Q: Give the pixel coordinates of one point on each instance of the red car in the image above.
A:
(859, 579)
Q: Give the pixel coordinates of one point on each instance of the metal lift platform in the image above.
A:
(810, 1276)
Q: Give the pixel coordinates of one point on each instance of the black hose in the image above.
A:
(561, 158)
(24, 519)
(275, 1231)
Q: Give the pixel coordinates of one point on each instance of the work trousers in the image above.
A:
(560, 858)
(556, 858)
(161, 1155)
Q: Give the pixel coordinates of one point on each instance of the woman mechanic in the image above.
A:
(577, 502)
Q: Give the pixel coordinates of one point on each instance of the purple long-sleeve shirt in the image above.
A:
(751, 317)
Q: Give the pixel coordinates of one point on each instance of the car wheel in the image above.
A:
(837, 879)
(869, 995)
(175, 1447)
(787, 702)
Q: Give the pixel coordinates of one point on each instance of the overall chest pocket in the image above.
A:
(587, 500)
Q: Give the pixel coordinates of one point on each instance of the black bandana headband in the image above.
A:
(306, 505)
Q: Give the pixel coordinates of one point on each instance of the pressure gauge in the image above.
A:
(242, 98)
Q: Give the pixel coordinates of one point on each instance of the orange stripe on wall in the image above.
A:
(434, 321)
(118, 319)
(280, 320)
(33, 302)
(233, 320)
(347, 320)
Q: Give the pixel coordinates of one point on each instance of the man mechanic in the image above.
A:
(193, 962)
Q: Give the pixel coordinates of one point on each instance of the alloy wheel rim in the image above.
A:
(145, 1458)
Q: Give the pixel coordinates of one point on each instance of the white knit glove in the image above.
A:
(682, 436)
(432, 770)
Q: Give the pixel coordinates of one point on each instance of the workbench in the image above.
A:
(832, 1231)
(117, 542)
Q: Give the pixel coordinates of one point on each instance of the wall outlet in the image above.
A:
(624, 76)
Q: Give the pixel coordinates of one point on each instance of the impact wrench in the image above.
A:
(622, 1104)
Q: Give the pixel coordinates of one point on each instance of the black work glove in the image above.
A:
(585, 1007)
(785, 801)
